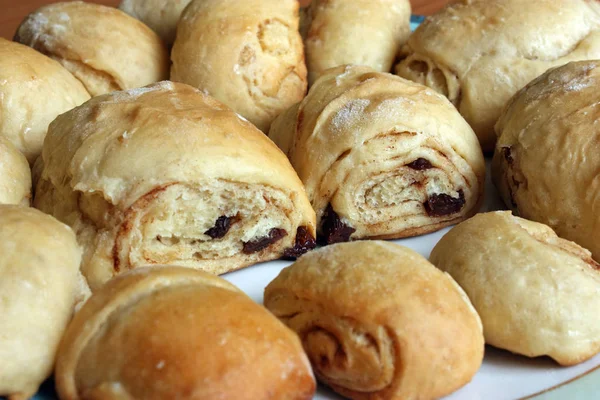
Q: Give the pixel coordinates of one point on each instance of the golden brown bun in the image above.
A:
(103, 47)
(39, 265)
(362, 32)
(383, 156)
(160, 15)
(481, 52)
(378, 321)
(34, 89)
(15, 175)
(247, 54)
(176, 333)
(537, 294)
(167, 175)
(546, 162)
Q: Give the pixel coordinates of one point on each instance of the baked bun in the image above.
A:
(160, 15)
(38, 283)
(378, 321)
(103, 47)
(481, 52)
(546, 162)
(34, 89)
(362, 32)
(381, 157)
(537, 294)
(166, 174)
(247, 54)
(15, 175)
(176, 333)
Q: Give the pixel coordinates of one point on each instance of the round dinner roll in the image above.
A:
(176, 333)
(481, 52)
(378, 321)
(167, 175)
(160, 15)
(380, 156)
(537, 294)
(546, 162)
(39, 268)
(34, 89)
(103, 47)
(247, 54)
(361, 32)
(15, 175)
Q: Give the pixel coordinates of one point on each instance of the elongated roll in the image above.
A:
(34, 89)
(536, 293)
(15, 175)
(381, 157)
(174, 333)
(247, 54)
(546, 162)
(481, 52)
(39, 269)
(166, 174)
(362, 32)
(378, 321)
(103, 47)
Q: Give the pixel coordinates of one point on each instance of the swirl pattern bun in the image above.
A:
(166, 174)
(103, 47)
(481, 52)
(39, 270)
(537, 294)
(380, 156)
(176, 333)
(247, 54)
(34, 90)
(15, 175)
(340, 32)
(376, 320)
(546, 161)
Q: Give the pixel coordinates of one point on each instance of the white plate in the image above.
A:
(503, 376)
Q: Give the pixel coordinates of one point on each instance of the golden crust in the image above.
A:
(38, 288)
(537, 294)
(195, 162)
(546, 161)
(481, 52)
(129, 55)
(249, 55)
(353, 141)
(15, 175)
(170, 332)
(375, 319)
(34, 89)
(360, 32)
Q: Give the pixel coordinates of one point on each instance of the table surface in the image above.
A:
(12, 12)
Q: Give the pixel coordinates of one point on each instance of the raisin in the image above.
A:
(506, 152)
(334, 230)
(221, 227)
(420, 164)
(304, 243)
(439, 205)
(256, 245)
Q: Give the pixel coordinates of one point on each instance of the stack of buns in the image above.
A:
(148, 148)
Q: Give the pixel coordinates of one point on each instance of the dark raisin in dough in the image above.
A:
(257, 245)
(420, 164)
(507, 153)
(304, 243)
(221, 227)
(439, 205)
(334, 230)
